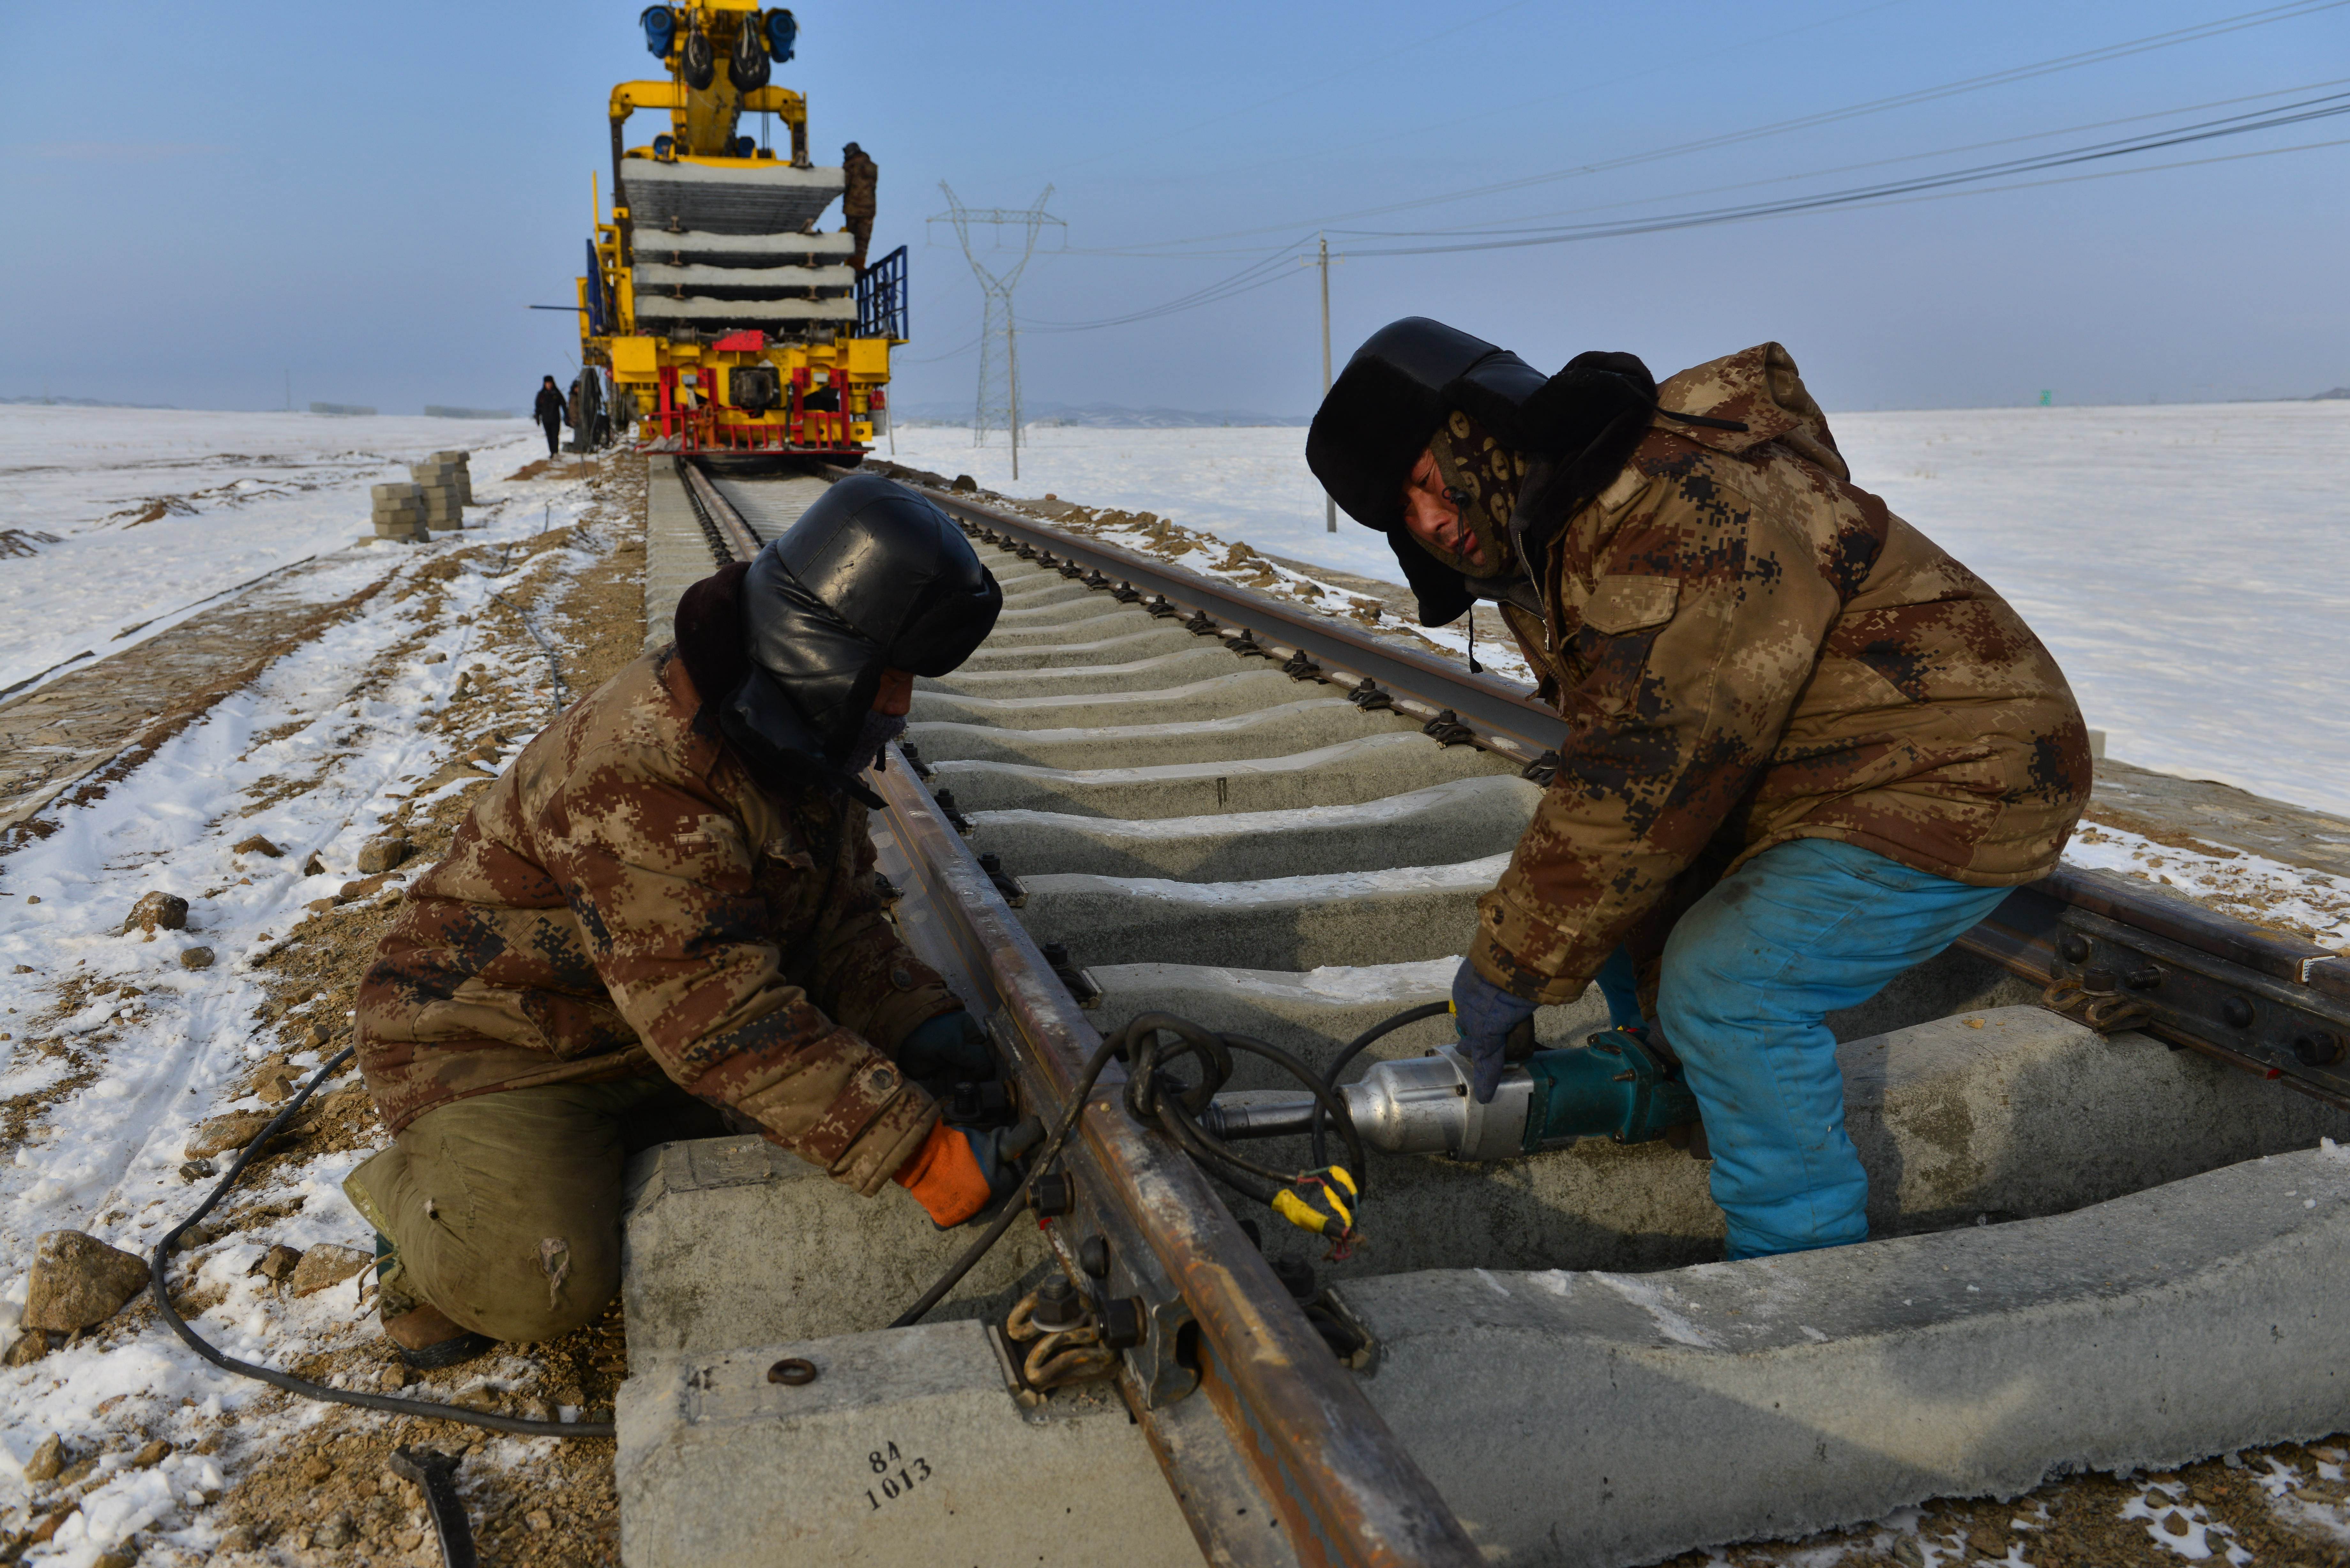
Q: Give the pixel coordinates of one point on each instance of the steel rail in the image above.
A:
(1505, 718)
(730, 538)
(1310, 1448)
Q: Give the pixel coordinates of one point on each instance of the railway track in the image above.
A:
(1150, 790)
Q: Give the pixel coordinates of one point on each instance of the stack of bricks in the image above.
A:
(399, 512)
(464, 473)
(445, 487)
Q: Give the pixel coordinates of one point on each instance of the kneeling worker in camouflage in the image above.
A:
(661, 920)
(1805, 748)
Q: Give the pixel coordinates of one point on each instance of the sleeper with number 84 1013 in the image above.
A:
(899, 1475)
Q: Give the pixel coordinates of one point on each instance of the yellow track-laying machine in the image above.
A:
(726, 320)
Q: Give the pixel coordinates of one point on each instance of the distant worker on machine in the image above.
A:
(662, 921)
(857, 202)
(1805, 748)
(551, 412)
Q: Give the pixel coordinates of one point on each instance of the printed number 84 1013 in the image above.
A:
(899, 1475)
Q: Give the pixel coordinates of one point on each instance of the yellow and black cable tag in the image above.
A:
(1320, 1201)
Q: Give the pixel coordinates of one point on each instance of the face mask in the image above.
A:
(1480, 477)
(877, 731)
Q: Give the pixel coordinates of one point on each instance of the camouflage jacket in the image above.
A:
(860, 176)
(1749, 649)
(626, 900)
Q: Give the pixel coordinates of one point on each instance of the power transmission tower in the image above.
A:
(999, 363)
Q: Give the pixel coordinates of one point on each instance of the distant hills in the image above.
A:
(1105, 416)
(1116, 416)
(85, 402)
(434, 411)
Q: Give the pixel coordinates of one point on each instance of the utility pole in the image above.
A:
(1329, 507)
(1011, 377)
(998, 321)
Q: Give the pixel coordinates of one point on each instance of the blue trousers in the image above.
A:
(1749, 974)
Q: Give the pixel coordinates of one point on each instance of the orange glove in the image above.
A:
(945, 1178)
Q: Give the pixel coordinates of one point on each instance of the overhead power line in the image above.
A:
(1797, 178)
(2327, 107)
(2263, 16)
(1269, 269)
(1255, 276)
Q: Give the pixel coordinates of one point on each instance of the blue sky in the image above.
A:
(207, 198)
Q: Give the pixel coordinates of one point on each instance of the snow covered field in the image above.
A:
(2189, 564)
(314, 754)
(156, 510)
(117, 1050)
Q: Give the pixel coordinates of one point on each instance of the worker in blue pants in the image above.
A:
(1803, 747)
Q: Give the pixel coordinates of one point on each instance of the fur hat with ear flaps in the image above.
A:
(871, 577)
(1575, 429)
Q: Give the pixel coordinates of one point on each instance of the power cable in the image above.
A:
(1807, 174)
(431, 1410)
(2238, 22)
(1155, 1098)
(1937, 152)
(1268, 270)
(1503, 239)
(1678, 61)
(934, 359)
(1265, 271)
(1257, 275)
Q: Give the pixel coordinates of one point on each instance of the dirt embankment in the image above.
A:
(540, 1504)
(308, 1483)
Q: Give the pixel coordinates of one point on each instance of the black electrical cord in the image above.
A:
(427, 1410)
(1015, 1202)
(1154, 1095)
(1354, 1048)
(1166, 1102)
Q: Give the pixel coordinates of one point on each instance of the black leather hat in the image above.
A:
(1380, 414)
(871, 577)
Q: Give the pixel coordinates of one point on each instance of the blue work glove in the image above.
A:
(1483, 1014)
(951, 1048)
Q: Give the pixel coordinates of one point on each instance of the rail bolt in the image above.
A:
(2145, 977)
(2237, 1012)
(1052, 1194)
(1059, 1308)
(1121, 1322)
(2317, 1048)
(1093, 1256)
(2075, 947)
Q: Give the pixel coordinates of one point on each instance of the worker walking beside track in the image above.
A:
(1806, 749)
(663, 913)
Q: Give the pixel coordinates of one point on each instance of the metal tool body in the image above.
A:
(1613, 1087)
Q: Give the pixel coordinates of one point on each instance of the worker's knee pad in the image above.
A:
(505, 1210)
(521, 1282)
